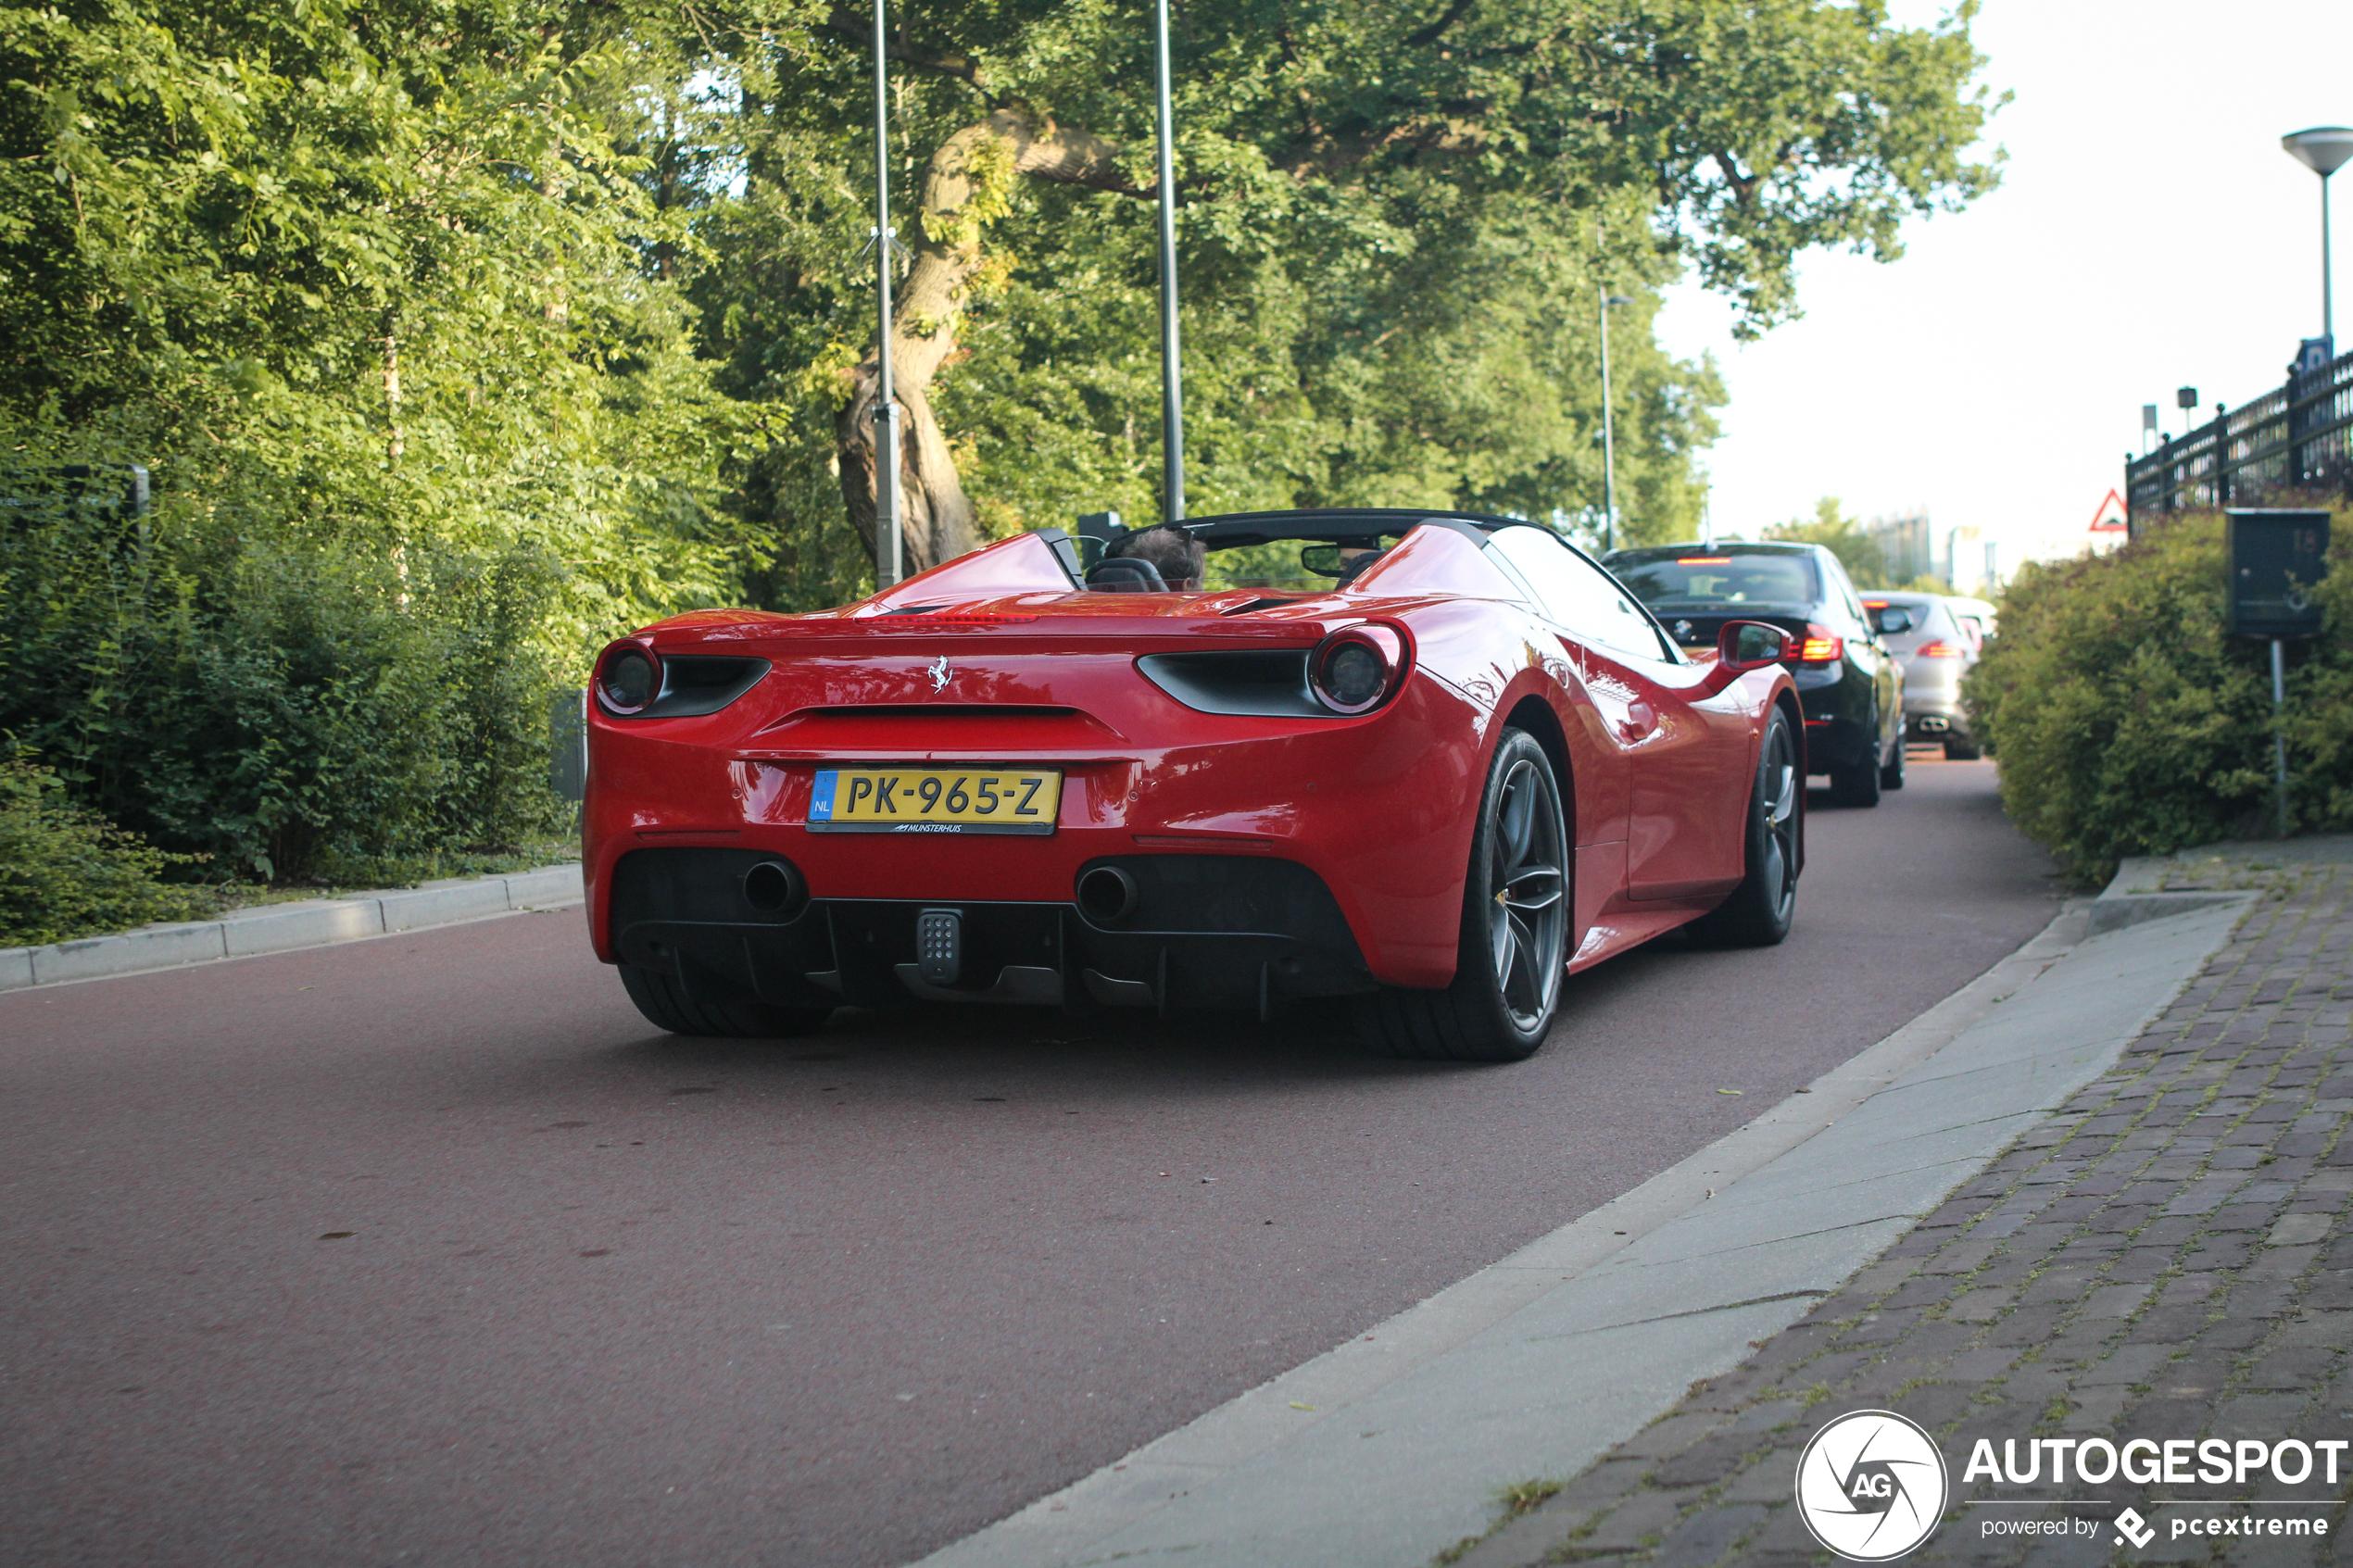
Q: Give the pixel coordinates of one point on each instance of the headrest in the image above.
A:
(1125, 575)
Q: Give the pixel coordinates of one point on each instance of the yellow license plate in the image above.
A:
(935, 800)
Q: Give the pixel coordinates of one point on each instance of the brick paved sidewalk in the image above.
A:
(2165, 1258)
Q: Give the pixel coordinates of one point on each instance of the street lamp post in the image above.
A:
(888, 564)
(2323, 149)
(1171, 380)
(1609, 443)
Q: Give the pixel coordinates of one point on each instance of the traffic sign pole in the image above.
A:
(2279, 723)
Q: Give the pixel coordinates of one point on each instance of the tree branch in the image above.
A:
(854, 27)
(1422, 37)
(1743, 185)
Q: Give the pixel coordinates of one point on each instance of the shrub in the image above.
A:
(66, 871)
(271, 699)
(2128, 721)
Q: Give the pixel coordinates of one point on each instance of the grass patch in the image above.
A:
(1525, 1496)
(1518, 1498)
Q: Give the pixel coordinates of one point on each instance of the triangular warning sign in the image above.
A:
(2109, 519)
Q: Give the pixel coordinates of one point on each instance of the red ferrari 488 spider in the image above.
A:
(1464, 766)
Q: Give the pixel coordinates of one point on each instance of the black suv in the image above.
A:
(1850, 686)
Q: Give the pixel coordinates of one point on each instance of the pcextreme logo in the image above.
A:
(1871, 1486)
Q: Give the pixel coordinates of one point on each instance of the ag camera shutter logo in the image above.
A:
(1871, 1486)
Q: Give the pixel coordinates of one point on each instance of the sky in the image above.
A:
(2149, 233)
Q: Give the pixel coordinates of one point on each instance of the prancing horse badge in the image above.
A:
(940, 673)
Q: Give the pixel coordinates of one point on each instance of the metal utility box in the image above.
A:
(2276, 560)
(568, 745)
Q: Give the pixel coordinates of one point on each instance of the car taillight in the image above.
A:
(1354, 669)
(1821, 646)
(628, 678)
(1936, 650)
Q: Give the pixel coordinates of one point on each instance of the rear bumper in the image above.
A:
(1207, 931)
(1937, 724)
(1376, 809)
(1838, 733)
(1931, 713)
(1932, 699)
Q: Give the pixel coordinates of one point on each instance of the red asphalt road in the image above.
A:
(426, 1249)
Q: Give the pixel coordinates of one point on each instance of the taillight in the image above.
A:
(1936, 650)
(1821, 646)
(1354, 669)
(628, 678)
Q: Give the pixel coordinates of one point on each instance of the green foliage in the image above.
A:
(66, 872)
(267, 699)
(1844, 536)
(376, 275)
(368, 292)
(2128, 722)
(1395, 232)
(458, 337)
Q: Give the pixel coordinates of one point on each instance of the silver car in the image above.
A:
(1936, 648)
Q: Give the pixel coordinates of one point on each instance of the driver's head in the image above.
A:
(1175, 554)
(1355, 559)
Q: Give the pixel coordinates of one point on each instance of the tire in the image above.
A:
(1891, 776)
(1514, 932)
(1760, 910)
(666, 1006)
(1857, 783)
(1962, 751)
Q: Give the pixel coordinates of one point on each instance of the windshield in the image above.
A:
(1697, 581)
(1926, 622)
(1295, 565)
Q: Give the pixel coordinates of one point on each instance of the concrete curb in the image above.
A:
(278, 928)
(2137, 892)
(1384, 1450)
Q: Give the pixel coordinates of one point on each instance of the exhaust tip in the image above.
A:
(1107, 894)
(775, 887)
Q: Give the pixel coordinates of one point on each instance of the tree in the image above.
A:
(497, 328)
(375, 296)
(1359, 183)
(1843, 537)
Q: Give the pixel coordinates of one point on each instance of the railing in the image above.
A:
(2295, 438)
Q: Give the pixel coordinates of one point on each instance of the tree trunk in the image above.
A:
(935, 516)
(962, 186)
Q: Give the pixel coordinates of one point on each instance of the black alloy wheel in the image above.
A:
(667, 1006)
(1515, 937)
(1760, 910)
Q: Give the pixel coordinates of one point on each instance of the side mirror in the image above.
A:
(1892, 620)
(1743, 645)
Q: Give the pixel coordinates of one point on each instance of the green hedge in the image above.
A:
(287, 706)
(66, 871)
(2127, 721)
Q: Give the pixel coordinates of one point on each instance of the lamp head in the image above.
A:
(2321, 149)
(1623, 299)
